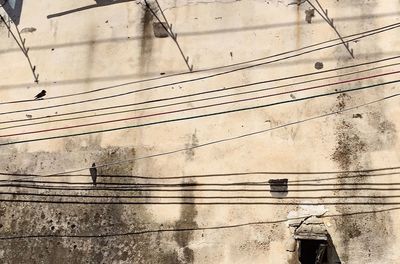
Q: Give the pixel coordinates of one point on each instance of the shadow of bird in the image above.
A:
(40, 95)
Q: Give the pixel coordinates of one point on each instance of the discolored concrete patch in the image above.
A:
(356, 136)
(146, 44)
(193, 142)
(350, 146)
(383, 132)
(21, 219)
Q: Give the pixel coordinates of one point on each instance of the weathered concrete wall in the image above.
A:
(105, 45)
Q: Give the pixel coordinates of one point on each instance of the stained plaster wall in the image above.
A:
(106, 45)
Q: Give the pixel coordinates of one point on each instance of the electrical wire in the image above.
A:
(207, 197)
(358, 173)
(192, 108)
(378, 30)
(194, 184)
(104, 186)
(196, 116)
(189, 190)
(164, 85)
(366, 203)
(223, 139)
(225, 197)
(189, 95)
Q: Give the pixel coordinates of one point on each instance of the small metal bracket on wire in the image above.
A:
(324, 14)
(21, 44)
(168, 29)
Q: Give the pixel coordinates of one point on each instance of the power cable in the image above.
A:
(222, 140)
(163, 85)
(373, 32)
(367, 203)
(164, 189)
(196, 116)
(193, 108)
(358, 173)
(182, 197)
(196, 184)
(325, 16)
(189, 95)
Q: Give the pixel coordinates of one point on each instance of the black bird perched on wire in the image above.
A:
(40, 95)
(93, 173)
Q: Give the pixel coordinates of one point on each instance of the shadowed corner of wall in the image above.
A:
(13, 8)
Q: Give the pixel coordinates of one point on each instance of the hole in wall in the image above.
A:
(312, 251)
(278, 187)
(313, 242)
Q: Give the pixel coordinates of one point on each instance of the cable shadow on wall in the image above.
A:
(99, 3)
(13, 8)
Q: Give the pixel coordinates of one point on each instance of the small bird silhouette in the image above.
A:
(93, 173)
(40, 95)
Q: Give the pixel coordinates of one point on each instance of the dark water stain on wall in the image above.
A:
(187, 220)
(352, 153)
(76, 219)
(146, 44)
(356, 139)
(299, 23)
(370, 234)
(349, 146)
(193, 142)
